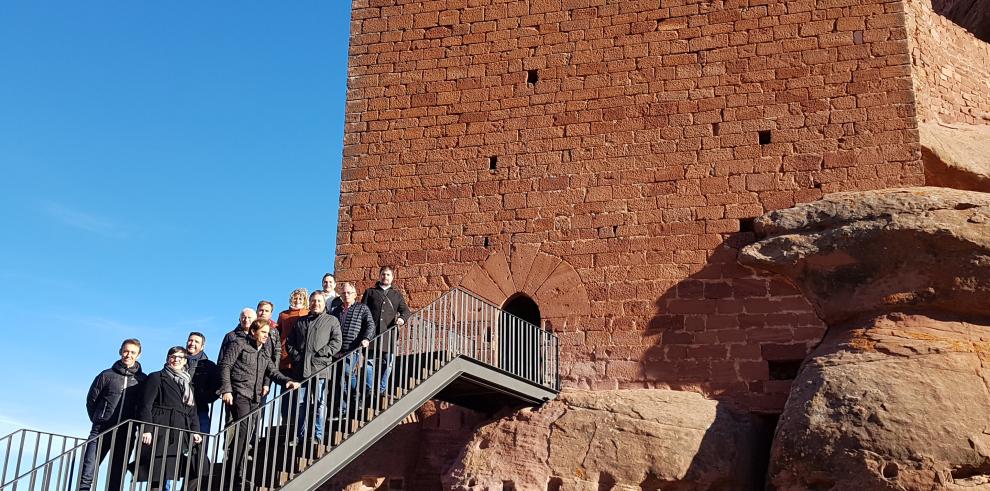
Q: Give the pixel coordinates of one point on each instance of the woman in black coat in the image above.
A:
(168, 402)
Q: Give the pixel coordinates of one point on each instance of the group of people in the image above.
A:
(299, 345)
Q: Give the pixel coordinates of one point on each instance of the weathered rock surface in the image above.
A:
(956, 156)
(620, 440)
(900, 402)
(882, 251)
(896, 396)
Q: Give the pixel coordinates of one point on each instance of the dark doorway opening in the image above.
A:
(523, 307)
(521, 342)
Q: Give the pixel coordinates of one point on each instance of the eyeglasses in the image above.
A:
(176, 357)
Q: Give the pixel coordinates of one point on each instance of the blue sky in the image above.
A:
(164, 165)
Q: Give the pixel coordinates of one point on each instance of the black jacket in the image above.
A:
(273, 346)
(115, 394)
(386, 306)
(245, 369)
(313, 342)
(356, 326)
(162, 405)
(205, 381)
(336, 302)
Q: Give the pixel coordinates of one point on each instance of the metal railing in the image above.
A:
(278, 439)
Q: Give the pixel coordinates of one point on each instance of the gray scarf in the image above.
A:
(182, 378)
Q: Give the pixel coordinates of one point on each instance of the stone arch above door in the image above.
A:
(549, 280)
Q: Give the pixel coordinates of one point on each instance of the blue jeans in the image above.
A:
(309, 405)
(352, 379)
(204, 420)
(385, 365)
(115, 469)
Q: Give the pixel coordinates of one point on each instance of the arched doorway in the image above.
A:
(522, 342)
(523, 307)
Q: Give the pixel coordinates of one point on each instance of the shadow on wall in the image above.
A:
(731, 333)
(972, 15)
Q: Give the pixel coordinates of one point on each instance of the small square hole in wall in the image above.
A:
(784, 369)
(492, 163)
(747, 224)
(396, 483)
(765, 137)
(532, 77)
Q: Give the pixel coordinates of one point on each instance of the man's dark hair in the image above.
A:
(133, 341)
(387, 267)
(197, 333)
(330, 275)
(266, 302)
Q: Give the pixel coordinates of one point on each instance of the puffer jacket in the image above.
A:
(245, 369)
(115, 394)
(313, 343)
(356, 325)
(273, 346)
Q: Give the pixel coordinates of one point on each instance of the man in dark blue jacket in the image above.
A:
(113, 398)
(358, 329)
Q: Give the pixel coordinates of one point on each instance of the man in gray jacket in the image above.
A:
(311, 347)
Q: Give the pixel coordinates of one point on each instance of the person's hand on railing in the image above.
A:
(264, 391)
(197, 439)
(365, 343)
(146, 438)
(227, 398)
(292, 385)
(399, 321)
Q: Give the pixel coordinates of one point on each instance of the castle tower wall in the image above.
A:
(606, 157)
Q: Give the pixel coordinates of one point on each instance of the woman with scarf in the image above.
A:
(169, 404)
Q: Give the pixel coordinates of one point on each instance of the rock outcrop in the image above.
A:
(882, 251)
(620, 440)
(899, 402)
(956, 156)
(896, 396)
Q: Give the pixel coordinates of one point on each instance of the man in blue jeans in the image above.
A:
(311, 347)
(113, 397)
(358, 329)
(388, 310)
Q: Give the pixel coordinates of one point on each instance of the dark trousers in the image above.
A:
(119, 453)
(242, 433)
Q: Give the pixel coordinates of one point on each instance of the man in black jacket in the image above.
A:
(311, 347)
(205, 378)
(388, 310)
(358, 329)
(113, 397)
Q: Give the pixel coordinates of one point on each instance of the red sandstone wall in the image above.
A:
(951, 68)
(630, 162)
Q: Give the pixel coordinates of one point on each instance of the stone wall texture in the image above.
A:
(607, 158)
(951, 67)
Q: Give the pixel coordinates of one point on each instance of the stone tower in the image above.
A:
(604, 160)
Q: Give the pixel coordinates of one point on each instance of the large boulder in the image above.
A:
(899, 402)
(956, 156)
(882, 251)
(896, 396)
(620, 440)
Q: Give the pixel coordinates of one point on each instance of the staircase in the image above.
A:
(460, 349)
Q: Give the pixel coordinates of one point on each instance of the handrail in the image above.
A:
(270, 443)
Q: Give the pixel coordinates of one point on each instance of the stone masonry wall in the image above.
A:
(626, 145)
(951, 68)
